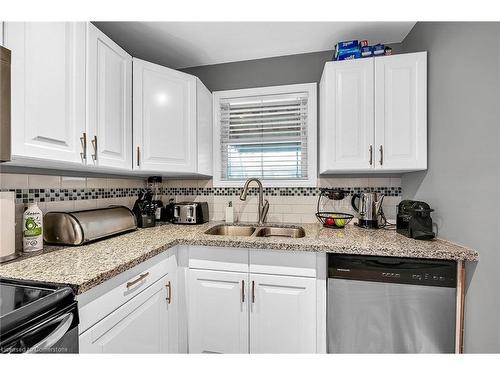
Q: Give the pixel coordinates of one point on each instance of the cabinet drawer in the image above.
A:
(218, 259)
(138, 326)
(290, 263)
(124, 287)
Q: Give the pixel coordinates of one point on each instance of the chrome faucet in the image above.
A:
(263, 204)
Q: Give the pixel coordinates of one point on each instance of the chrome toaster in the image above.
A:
(79, 227)
(190, 213)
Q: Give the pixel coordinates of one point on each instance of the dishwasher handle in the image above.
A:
(385, 263)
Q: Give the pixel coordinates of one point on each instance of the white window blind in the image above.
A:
(264, 137)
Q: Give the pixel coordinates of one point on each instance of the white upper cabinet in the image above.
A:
(373, 114)
(48, 89)
(346, 117)
(72, 103)
(172, 121)
(282, 314)
(401, 112)
(109, 96)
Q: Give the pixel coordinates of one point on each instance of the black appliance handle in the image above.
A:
(57, 334)
(420, 209)
(354, 196)
(379, 263)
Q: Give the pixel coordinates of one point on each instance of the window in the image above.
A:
(268, 133)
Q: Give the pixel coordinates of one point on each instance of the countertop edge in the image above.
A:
(315, 244)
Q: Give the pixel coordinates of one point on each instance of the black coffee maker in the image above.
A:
(414, 220)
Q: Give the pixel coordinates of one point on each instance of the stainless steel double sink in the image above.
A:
(256, 231)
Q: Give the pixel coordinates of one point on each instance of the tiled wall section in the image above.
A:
(289, 205)
(60, 193)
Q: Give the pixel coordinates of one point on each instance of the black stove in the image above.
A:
(37, 318)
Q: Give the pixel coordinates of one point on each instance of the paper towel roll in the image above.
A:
(7, 225)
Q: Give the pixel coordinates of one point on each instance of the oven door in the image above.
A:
(57, 333)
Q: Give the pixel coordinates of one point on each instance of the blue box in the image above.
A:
(366, 51)
(348, 54)
(378, 49)
(346, 45)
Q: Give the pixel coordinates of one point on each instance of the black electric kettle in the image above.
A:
(369, 209)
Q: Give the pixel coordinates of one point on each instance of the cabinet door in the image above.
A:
(109, 95)
(164, 103)
(48, 89)
(282, 314)
(401, 112)
(139, 326)
(218, 312)
(346, 116)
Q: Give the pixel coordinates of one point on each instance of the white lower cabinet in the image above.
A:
(250, 301)
(282, 314)
(217, 312)
(134, 312)
(139, 326)
(273, 310)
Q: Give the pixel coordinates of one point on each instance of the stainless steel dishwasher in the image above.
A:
(390, 305)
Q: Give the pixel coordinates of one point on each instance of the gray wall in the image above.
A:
(283, 70)
(463, 179)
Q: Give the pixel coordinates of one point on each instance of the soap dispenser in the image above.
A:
(230, 213)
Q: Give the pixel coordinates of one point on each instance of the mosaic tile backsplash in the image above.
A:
(287, 205)
(54, 195)
(273, 192)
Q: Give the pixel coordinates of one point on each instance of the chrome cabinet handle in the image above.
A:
(55, 335)
(94, 144)
(169, 288)
(138, 155)
(253, 291)
(140, 278)
(242, 290)
(371, 154)
(83, 141)
(381, 149)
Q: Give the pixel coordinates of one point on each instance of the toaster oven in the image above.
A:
(190, 213)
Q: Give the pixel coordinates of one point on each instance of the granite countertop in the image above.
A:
(84, 267)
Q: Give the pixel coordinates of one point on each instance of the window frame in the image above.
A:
(312, 129)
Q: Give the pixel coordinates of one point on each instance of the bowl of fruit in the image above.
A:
(334, 219)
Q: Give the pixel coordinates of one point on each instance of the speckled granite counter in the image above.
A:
(84, 267)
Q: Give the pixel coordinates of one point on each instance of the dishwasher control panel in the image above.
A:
(393, 270)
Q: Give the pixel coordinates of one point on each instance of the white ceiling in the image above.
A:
(187, 44)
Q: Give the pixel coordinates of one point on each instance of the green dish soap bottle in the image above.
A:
(32, 228)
